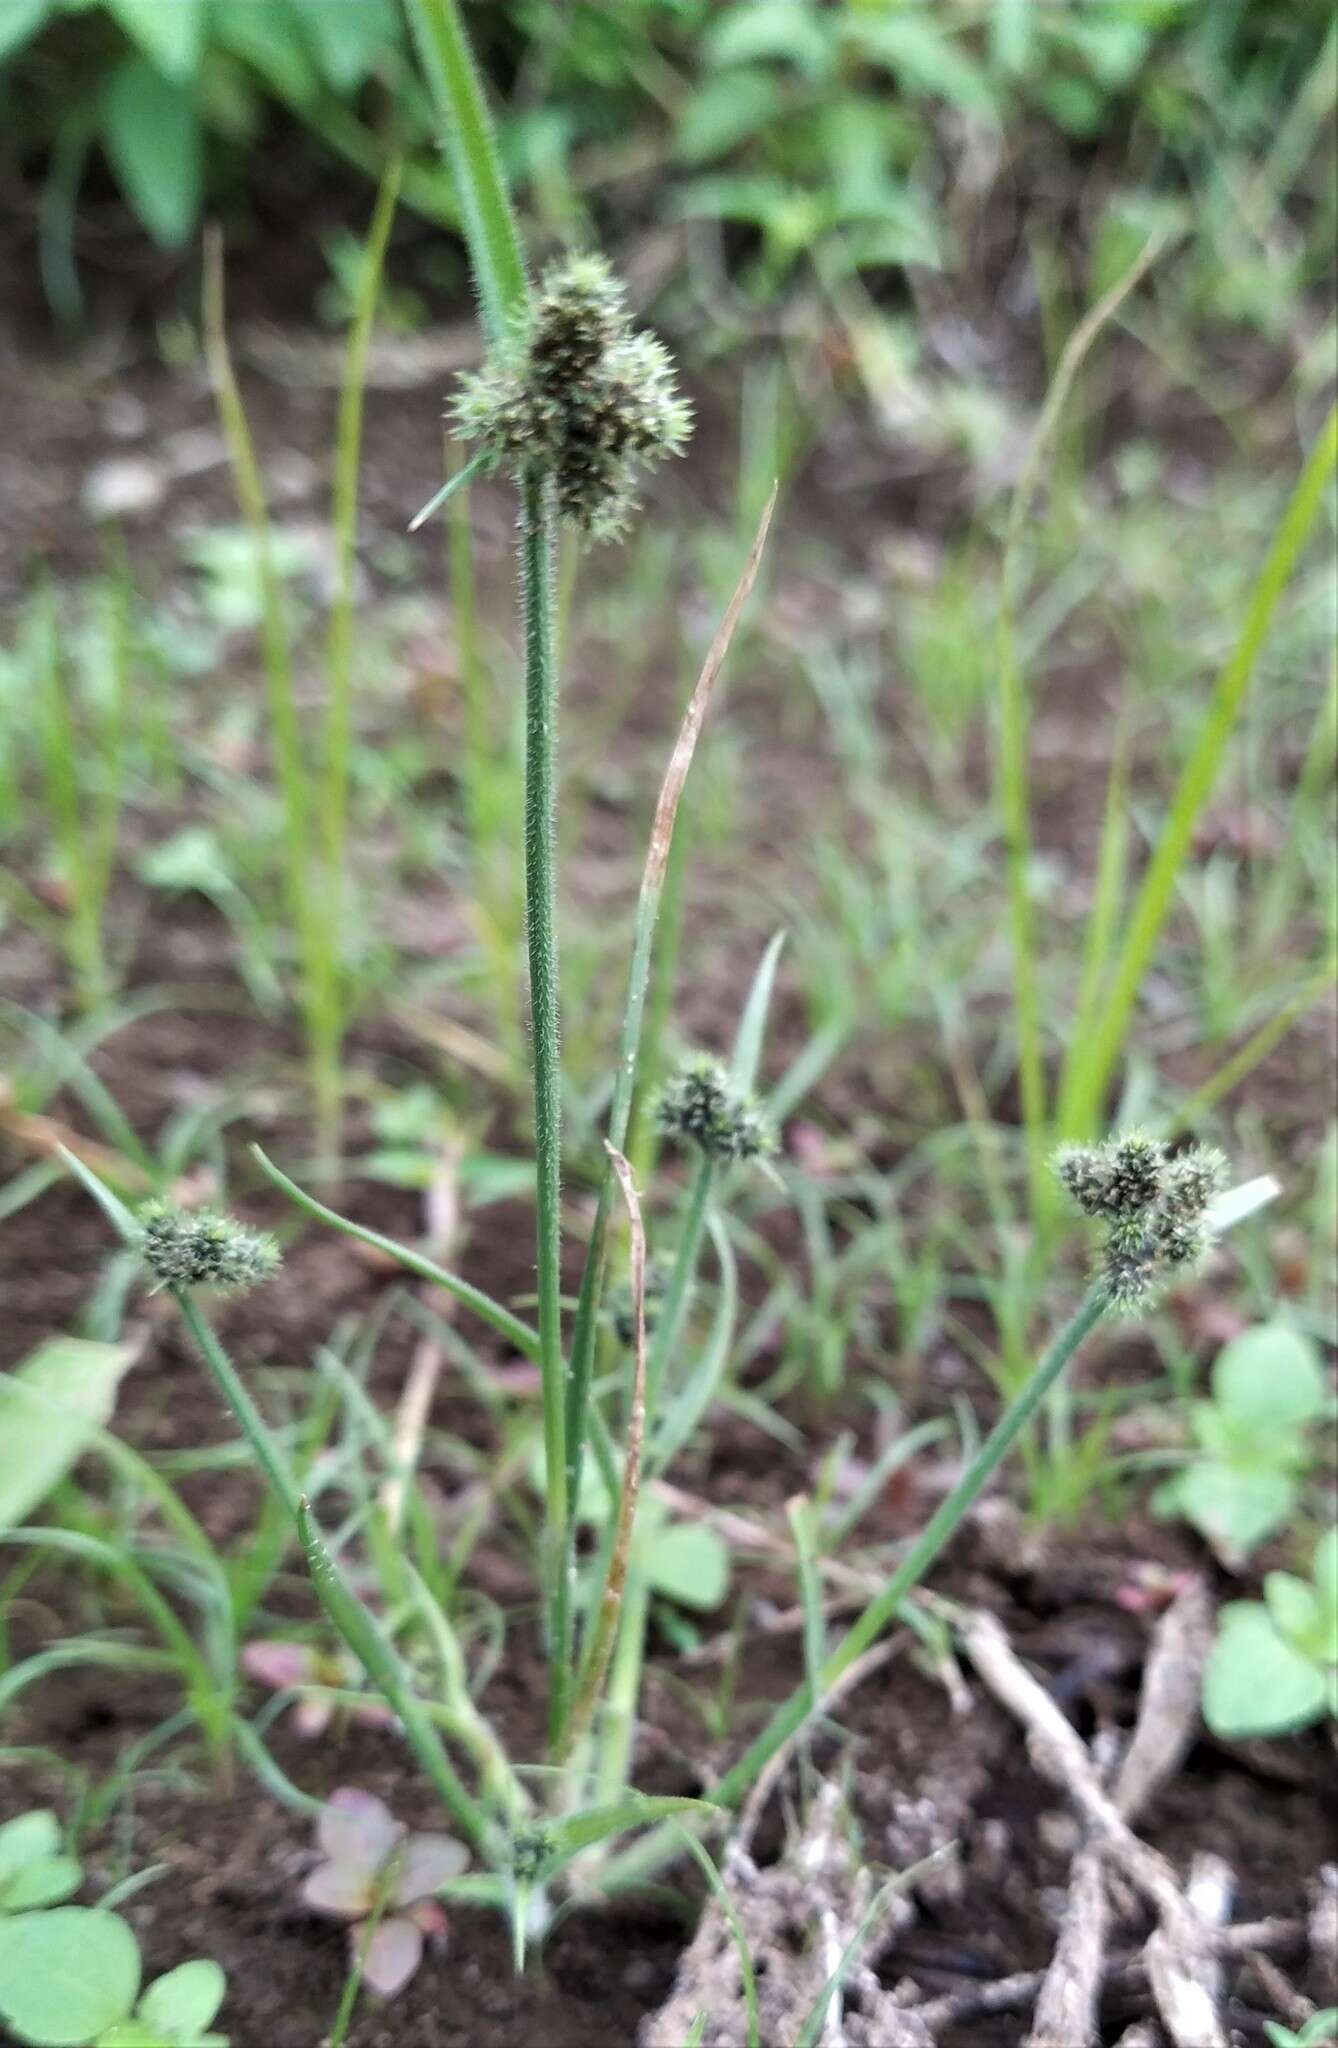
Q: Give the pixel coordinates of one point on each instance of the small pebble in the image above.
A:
(123, 487)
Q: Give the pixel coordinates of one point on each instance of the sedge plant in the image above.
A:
(571, 404)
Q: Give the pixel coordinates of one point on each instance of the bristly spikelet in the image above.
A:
(1155, 1209)
(578, 397)
(701, 1108)
(204, 1248)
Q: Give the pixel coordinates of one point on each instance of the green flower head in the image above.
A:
(699, 1107)
(1155, 1209)
(578, 397)
(204, 1248)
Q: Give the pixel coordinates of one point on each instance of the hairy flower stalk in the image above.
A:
(573, 405)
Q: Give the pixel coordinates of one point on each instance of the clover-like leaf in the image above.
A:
(392, 1955)
(690, 1564)
(183, 2003)
(1233, 1507)
(1270, 1376)
(357, 1829)
(65, 1975)
(342, 1890)
(45, 1881)
(425, 1863)
(1258, 1683)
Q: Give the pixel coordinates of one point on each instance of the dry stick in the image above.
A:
(1182, 1965)
(1066, 2013)
(596, 1663)
(1129, 1972)
(443, 1204)
(772, 1772)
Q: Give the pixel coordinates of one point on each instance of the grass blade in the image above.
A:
(511, 1327)
(1153, 902)
(364, 1636)
(471, 150)
(1013, 781)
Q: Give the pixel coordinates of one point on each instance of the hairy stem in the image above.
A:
(536, 573)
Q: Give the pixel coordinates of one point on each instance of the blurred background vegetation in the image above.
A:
(809, 147)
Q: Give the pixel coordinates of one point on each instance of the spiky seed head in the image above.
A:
(204, 1248)
(1155, 1209)
(700, 1107)
(1192, 1180)
(1082, 1169)
(578, 397)
(1134, 1170)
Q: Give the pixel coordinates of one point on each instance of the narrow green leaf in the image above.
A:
(490, 225)
(447, 491)
(373, 1649)
(747, 1054)
(518, 1333)
(1153, 902)
(566, 1838)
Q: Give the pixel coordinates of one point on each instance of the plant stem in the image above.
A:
(940, 1527)
(674, 1306)
(536, 571)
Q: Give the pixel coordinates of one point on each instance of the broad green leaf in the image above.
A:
(349, 39)
(1296, 1613)
(151, 134)
(50, 1408)
(45, 1881)
(20, 20)
(184, 2002)
(1271, 1376)
(690, 1564)
(924, 60)
(1256, 1682)
(787, 31)
(1234, 1507)
(66, 1975)
(270, 41)
(727, 109)
(169, 32)
(26, 1838)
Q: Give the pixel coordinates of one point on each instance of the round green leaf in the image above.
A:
(1256, 1682)
(65, 1975)
(689, 1564)
(1234, 1508)
(183, 2003)
(1271, 1375)
(45, 1881)
(25, 1838)
(1296, 1612)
